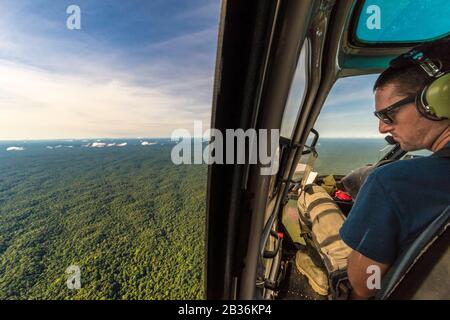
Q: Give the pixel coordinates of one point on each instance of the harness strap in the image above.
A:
(325, 213)
(318, 202)
(443, 153)
(330, 240)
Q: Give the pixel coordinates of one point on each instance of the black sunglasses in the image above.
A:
(385, 115)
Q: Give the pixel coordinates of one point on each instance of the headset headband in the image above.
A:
(416, 57)
(433, 100)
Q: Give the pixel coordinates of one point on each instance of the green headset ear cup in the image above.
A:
(437, 96)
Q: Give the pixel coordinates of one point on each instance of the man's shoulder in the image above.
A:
(416, 166)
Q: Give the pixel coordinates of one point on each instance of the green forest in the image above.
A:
(131, 220)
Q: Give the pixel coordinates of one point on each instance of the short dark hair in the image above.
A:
(410, 79)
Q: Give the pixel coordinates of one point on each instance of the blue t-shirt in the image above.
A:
(395, 204)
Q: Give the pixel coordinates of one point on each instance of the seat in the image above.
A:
(421, 271)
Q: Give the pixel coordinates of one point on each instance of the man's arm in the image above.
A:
(357, 267)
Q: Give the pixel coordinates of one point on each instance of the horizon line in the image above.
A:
(169, 138)
(80, 139)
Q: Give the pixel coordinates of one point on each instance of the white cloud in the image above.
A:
(97, 145)
(210, 11)
(345, 98)
(15, 149)
(41, 104)
(146, 143)
(122, 144)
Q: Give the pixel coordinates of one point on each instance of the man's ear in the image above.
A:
(365, 275)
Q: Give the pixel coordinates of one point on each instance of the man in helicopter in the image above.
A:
(398, 200)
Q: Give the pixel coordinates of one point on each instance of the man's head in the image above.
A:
(405, 123)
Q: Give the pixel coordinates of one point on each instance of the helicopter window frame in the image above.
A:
(297, 93)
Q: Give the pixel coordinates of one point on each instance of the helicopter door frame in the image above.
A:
(259, 44)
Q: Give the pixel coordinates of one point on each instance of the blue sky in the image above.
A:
(348, 109)
(138, 68)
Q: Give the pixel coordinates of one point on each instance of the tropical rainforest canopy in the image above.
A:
(133, 222)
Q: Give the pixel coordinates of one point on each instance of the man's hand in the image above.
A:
(357, 274)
